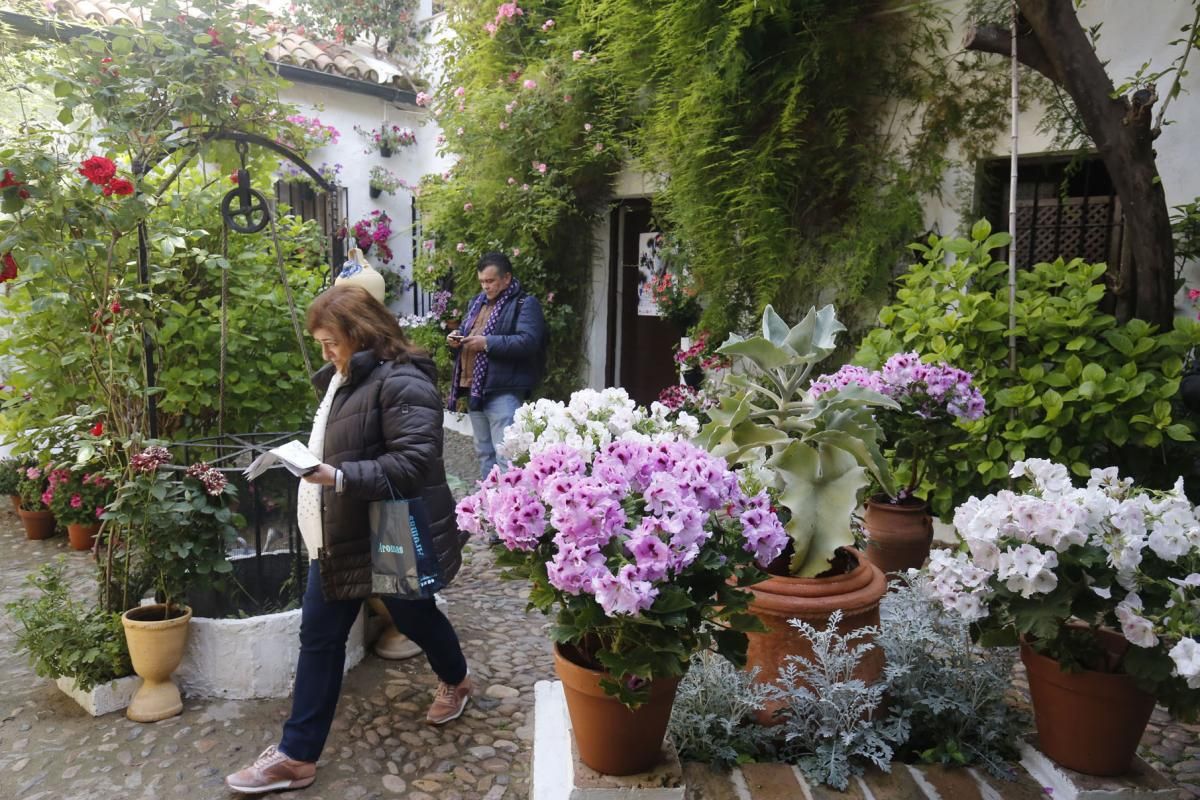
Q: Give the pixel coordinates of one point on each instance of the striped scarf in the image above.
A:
(479, 374)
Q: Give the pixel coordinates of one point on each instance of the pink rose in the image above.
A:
(460, 92)
(548, 24)
(461, 247)
(578, 54)
(530, 83)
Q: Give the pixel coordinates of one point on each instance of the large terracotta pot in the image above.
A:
(780, 598)
(38, 524)
(155, 648)
(898, 534)
(16, 502)
(1087, 721)
(614, 739)
(82, 536)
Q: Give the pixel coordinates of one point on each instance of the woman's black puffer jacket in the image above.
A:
(385, 420)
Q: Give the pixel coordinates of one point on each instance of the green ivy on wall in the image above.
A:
(792, 142)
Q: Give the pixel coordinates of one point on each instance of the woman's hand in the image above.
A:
(323, 475)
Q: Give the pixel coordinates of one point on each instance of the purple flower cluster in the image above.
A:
(927, 390)
(635, 516)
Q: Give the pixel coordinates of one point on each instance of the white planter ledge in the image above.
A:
(254, 657)
(103, 699)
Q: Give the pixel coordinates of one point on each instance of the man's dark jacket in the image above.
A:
(514, 348)
(385, 420)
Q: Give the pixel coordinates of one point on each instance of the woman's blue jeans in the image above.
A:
(324, 628)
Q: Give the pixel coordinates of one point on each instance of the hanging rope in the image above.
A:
(224, 331)
(287, 289)
(1012, 203)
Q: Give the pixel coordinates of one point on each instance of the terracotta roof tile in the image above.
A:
(291, 48)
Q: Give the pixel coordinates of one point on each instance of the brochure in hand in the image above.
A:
(294, 455)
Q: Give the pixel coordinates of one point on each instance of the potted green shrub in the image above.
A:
(10, 479)
(168, 530)
(67, 637)
(816, 453)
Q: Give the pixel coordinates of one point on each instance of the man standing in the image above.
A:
(497, 360)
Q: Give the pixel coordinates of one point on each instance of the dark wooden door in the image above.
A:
(646, 365)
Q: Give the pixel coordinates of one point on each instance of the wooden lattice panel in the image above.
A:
(1070, 228)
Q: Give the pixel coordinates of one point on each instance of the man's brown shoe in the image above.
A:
(272, 772)
(449, 701)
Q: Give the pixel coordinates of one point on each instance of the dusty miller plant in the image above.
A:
(950, 691)
(712, 719)
(828, 725)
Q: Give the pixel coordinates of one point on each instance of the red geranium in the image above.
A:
(98, 428)
(10, 268)
(98, 169)
(118, 186)
(9, 180)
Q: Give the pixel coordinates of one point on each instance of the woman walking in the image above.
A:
(378, 431)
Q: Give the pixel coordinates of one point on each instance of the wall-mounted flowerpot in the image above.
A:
(375, 191)
(385, 151)
(612, 738)
(694, 377)
(156, 640)
(38, 524)
(898, 534)
(82, 535)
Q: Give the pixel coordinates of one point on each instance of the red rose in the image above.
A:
(98, 170)
(9, 180)
(233, 177)
(216, 38)
(10, 268)
(118, 186)
(98, 428)
(23, 194)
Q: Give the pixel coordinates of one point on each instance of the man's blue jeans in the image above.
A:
(489, 425)
(324, 627)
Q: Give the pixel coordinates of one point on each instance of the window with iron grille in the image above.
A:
(306, 203)
(1065, 207)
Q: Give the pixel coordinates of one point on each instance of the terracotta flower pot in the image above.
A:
(16, 501)
(1087, 721)
(155, 648)
(82, 535)
(898, 534)
(614, 739)
(780, 598)
(38, 524)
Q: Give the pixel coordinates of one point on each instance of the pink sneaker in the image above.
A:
(449, 701)
(272, 772)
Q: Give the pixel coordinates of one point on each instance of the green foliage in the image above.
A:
(65, 636)
(951, 692)
(432, 339)
(1086, 390)
(167, 530)
(766, 131)
(818, 449)
(9, 476)
(388, 25)
(76, 315)
(712, 718)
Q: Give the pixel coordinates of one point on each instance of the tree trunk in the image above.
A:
(1057, 46)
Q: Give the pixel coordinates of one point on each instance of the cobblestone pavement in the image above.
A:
(380, 747)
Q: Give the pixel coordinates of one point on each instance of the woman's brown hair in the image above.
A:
(364, 321)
